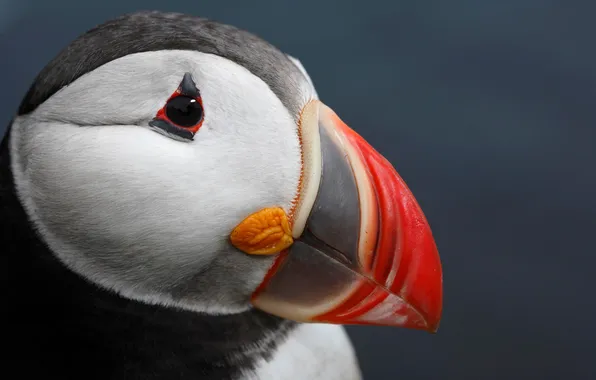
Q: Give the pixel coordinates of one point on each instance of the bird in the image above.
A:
(178, 203)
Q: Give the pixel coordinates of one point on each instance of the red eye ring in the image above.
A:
(183, 111)
(183, 114)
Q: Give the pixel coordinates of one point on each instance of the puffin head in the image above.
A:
(185, 163)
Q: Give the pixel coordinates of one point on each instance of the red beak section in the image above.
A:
(367, 255)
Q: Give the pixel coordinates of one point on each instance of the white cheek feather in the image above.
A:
(311, 351)
(135, 211)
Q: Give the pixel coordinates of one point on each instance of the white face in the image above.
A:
(147, 215)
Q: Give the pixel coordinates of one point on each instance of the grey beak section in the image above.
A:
(334, 223)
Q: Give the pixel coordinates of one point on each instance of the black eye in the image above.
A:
(184, 111)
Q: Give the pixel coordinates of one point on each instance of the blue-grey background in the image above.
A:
(486, 108)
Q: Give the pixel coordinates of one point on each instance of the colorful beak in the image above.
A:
(363, 251)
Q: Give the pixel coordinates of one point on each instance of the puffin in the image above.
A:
(178, 203)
